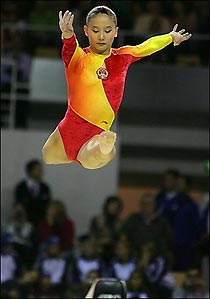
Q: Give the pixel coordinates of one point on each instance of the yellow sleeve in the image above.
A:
(150, 46)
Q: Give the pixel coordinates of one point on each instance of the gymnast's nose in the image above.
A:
(101, 36)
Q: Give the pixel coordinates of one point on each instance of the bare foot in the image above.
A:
(107, 140)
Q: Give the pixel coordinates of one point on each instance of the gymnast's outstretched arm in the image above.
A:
(156, 43)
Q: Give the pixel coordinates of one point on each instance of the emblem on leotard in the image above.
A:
(102, 73)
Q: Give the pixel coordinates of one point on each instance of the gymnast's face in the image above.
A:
(101, 31)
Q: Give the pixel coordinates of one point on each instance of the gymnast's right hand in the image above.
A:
(66, 23)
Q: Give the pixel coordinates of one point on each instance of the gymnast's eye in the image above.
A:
(95, 31)
(107, 31)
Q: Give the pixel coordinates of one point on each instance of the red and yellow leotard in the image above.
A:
(93, 102)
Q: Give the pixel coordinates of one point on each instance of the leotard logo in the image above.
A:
(102, 73)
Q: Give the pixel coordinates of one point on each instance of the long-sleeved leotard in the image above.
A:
(95, 84)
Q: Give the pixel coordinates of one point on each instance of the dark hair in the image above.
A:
(61, 214)
(31, 165)
(101, 10)
(112, 199)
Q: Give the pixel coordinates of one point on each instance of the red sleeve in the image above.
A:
(69, 47)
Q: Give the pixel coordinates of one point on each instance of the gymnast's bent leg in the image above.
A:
(98, 151)
(53, 151)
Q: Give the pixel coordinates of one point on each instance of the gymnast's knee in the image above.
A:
(95, 162)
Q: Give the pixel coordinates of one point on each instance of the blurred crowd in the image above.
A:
(42, 255)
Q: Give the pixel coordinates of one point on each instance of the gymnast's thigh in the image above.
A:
(54, 146)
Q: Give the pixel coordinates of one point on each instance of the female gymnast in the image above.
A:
(95, 82)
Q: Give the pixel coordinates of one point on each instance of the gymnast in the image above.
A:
(95, 78)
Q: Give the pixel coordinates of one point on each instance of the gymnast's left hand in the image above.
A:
(179, 36)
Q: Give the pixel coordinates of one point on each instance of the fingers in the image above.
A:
(67, 17)
(183, 37)
(175, 27)
(180, 36)
(60, 15)
(72, 18)
(181, 31)
(186, 36)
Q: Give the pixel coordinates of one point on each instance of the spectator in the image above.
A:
(156, 271)
(182, 213)
(59, 224)
(47, 279)
(22, 235)
(124, 262)
(203, 230)
(192, 287)
(87, 260)
(202, 248)
(11, 268)
(28, 283)
(52, 269)
(33, 193)
(146, 225)
(152, 22)
(178, 15)
(16, 52)
(106, 226)
(136, 286)
(185, 15)
(166, 199)
(137, 10)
